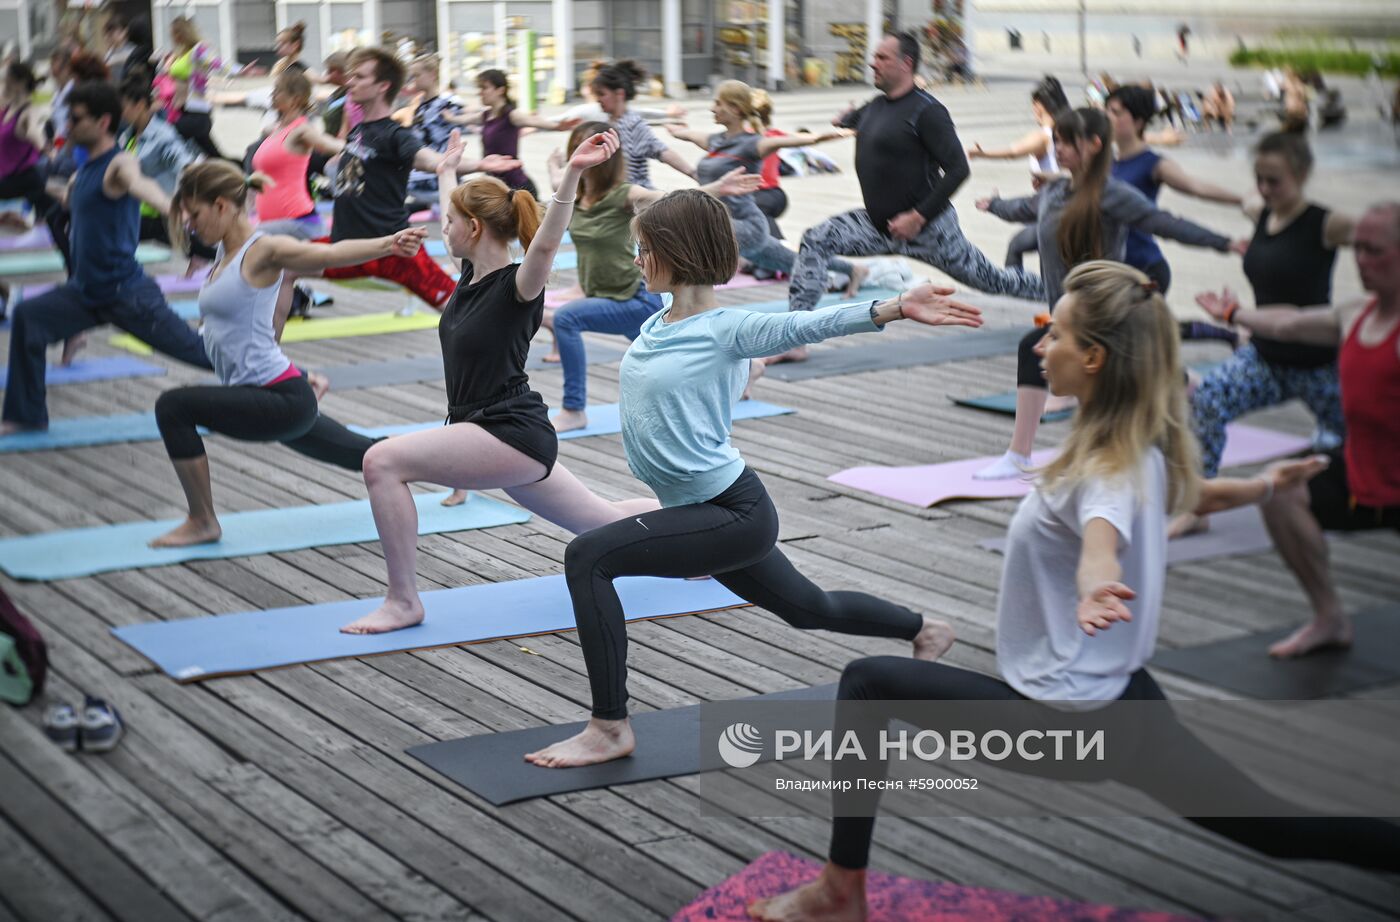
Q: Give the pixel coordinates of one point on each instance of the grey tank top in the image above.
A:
(236, 324)
(729, 153)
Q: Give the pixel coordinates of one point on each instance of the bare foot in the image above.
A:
(552, 358)
(838, 895)
(933, 639)
(1314, 636)
(391, 616)
(455, 498)
(756, 369)
(71, 347)
(600, 741)
(1188, 523)
(569, 420)
(792, 355)
(190, 531)
(859, 273)
(320, 384)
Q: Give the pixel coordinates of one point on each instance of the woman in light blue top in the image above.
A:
(680, 381)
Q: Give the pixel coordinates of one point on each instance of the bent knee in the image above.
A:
(381, 463)
(864, 679)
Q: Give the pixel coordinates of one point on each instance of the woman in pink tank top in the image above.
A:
(287, 207)
(20, 140)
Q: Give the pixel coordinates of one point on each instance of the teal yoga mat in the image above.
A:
(84, 551)
(101, 368)
(202, 648)
(34, 262)
(1005, 403)
(603, 419)
(85, 430)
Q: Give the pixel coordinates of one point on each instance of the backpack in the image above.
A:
(24, 658)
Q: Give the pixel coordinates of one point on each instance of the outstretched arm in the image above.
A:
(1134, 209)
(1022, 210)
(767, 146)
(1101, 595)
(531, 120)
(1223, 493)
(737, 181)
(1312, 325)
(700, 139)
(124, 177)
(1171, 173)
(539, 258)
(673, 159)
(428, 161)
(273, 254)
(1032, 144)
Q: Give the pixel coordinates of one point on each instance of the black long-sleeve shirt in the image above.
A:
(907, 156)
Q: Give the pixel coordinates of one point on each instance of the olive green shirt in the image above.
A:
(602, 235)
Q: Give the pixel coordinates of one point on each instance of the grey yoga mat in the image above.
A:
(946, 346)
(1243, 665)
(493, 766)
(429, 367)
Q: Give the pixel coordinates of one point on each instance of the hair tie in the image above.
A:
(1149, 287)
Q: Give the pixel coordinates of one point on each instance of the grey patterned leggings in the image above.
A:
(941, 243)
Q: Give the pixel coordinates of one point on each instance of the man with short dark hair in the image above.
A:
(106, 284)
(909, 162)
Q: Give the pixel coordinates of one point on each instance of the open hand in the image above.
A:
(974, 151)
(1239, 247)
(452, 154)
(1103, 606)
(1218, 305)
(595, 150)
(836, 134)
(1286, 474)
(407, 241)
(497, 163)
(738, 181)
(932, 305)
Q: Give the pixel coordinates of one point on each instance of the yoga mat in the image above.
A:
(1231, 534)
(36, 238)
(1006, 403)
(300, 330)
(929, 484)
(202, 648)
(169, 285)
(744, 280)
(84, 551)
(603, 419)
(948, 346)
(1243, 665)
(100, 368)
(491, 764)
(37, 261)
(429, 368)
(900, 899)
(85, 430)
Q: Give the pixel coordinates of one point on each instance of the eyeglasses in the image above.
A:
(643, 251)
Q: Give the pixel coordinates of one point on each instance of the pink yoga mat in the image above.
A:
(929, 484)
(742, 280)
(901, 899)
(170, 284)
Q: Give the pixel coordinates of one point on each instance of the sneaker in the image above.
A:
(102, 725)
(301, 302)
(61, 726)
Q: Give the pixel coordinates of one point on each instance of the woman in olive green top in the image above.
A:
(615, 300)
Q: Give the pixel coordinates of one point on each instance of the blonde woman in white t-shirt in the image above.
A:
(1080, 599)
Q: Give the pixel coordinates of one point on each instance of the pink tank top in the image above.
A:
(16, 152)
(288, 198)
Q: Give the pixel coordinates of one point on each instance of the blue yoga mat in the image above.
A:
(36, 261)
(603, 419)
(85, 430)
(1005, 403)
(101, 368)
(84, 551)
(202, 648)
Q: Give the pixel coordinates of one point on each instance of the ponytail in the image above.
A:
(527, 216)
(208, 181)
(510, 214)
(1080, 234)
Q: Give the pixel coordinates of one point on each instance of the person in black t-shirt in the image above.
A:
(371, 184)
(909, 162)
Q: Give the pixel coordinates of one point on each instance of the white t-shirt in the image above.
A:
(1041, 651)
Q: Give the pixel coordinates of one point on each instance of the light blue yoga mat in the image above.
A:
(84, 551)
(603, 419)
(101, 368)
(1006, 403)
(32, 262)
(203, 648)
(85, 430)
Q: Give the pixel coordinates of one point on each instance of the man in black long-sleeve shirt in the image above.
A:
(909, 162)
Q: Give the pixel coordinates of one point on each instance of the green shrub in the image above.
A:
(1325, 60)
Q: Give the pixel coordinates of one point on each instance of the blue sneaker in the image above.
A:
(102, 725)
(61, 725)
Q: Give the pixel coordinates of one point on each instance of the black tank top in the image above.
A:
(485, 333)
(1291, 267)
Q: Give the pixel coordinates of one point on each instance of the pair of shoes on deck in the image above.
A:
(98, 729)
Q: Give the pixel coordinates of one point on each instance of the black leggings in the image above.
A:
(1182, 762)
(195, 127)
(732, 538)
(284, 412)
(772, 202)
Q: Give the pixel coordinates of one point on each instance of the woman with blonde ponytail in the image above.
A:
(740, 144)
(1084, 216)
(1078, 610)
(261, 396)
(498, 434)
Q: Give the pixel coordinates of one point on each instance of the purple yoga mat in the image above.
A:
(930, 484)
(741, 280)
(1231, 534)
(169, 284)
(36, 238)
(901, 899)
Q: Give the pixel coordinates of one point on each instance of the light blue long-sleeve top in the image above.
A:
(680, 381)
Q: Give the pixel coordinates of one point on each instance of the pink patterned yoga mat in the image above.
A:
(901, 899)
(930, 484)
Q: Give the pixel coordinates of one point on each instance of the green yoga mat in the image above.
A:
(38, 261)
(1006, 403)
(84, 551)
(301, 331)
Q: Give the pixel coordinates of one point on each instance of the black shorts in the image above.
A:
(1330, 499)
(520, 421)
